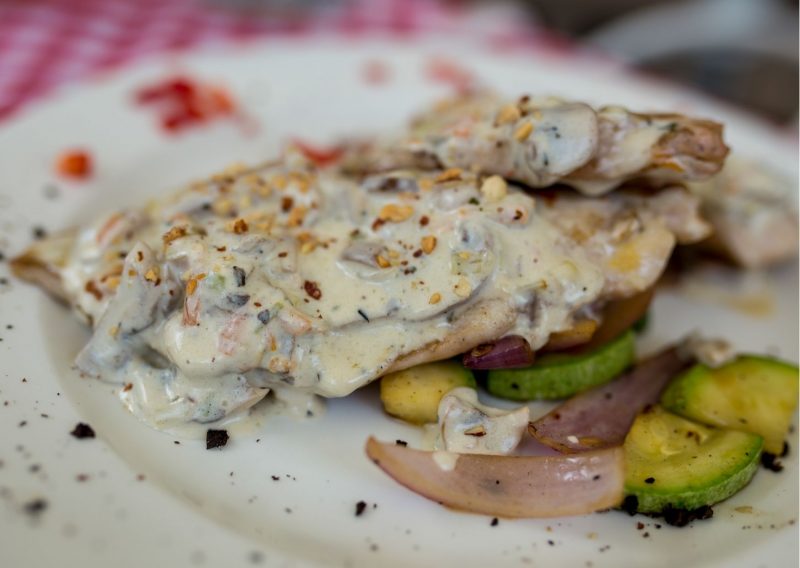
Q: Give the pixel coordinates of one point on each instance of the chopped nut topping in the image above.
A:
(222, 206)
(296, 216)
(522, 133)
(428, 244)
(435, 298)
(112, 282)
(509, 113)
(113, 331)
(173, 234)
(382, 262)
(425, 184)
(494, 188)
(395, 213)
(279, 181)
(477, 431)
(286, 204)
(450, 174)
(308, 247)
(462, 288)
(240, 226)
(152, 274)
(191, 285)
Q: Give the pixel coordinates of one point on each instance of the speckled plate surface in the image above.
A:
(284, 493)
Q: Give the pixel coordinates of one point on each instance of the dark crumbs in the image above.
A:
(360, 506)
(82, 431)
(495, 522)
(216, 439)
(35, 507)
(771, 462)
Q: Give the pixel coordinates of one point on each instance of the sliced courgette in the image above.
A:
(752, 393)
(414, 394)
(560, 375)
(674, 463)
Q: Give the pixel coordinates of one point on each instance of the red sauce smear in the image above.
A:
(75, 164)
(449, 72)
(319, 155)
(183, 102)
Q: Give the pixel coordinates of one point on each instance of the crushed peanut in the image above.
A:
(382, 262)
(494, 188)
(173, 234)
(152, 274)
(222, 206)
(521, 134)
(450, 174)
(435, 298)
(395, 213)
(239, 226)
(296, 216)
(462, 288)
(509, 113)
(428, 244)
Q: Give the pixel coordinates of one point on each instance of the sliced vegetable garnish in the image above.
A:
(508, 352)
(752, 393)
(507, 486)
(619, 316)
(601, 417)
(559, 375)
(671, 462)
(414, 394)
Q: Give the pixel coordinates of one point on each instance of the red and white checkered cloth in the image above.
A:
(45, 43)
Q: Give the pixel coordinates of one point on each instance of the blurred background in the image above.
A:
(743, 51)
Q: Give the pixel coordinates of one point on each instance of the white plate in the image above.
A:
(223, 508)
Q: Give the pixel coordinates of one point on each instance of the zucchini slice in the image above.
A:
(672, 462)
(561, 375)
(414, 394)
(751, 393)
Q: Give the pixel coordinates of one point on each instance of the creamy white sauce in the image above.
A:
(446, 461)
(289, 279)
(468, 427)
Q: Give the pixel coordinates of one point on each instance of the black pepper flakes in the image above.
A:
(360, 506)
(650, 480)
(771, 462)
(495, 522)
(682, 517)
(239, 276)
(238, 300)
(82, 431)
(216, 439)
(39, 232)
(36, 507)
(401, 443)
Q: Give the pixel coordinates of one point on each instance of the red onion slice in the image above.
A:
(601, 417)
(508, 486)
(508, 352)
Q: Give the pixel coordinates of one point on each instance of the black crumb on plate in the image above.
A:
(401, 443)
(771, 462)
(216, 439)
(495, 522)
(682, 517)
(82, 430)
(360, 506)
(36, 507)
